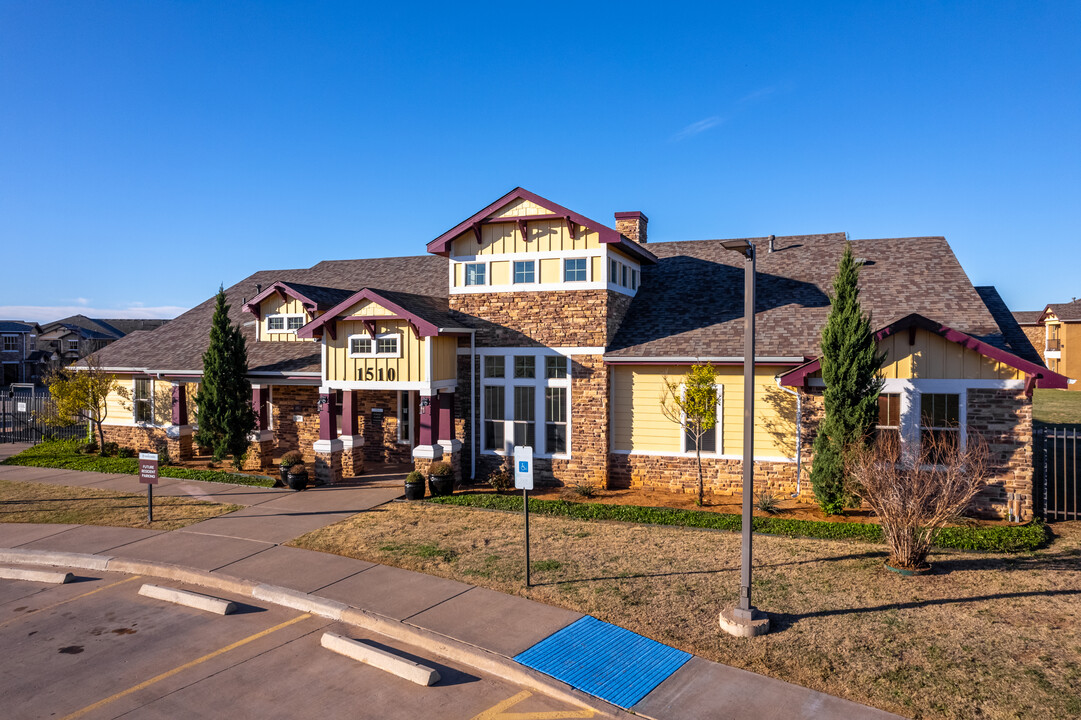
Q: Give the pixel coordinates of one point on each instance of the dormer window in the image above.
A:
(387, 345)
(284, 323)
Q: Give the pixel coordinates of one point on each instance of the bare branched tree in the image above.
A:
(916, 492)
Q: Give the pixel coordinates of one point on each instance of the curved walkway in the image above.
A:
(242, 553)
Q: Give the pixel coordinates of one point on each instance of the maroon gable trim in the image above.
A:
(1043, 377)
(282, 289)
(441, 245)
(422, 327)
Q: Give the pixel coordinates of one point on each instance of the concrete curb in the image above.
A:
(480, 659)
(188, 599)
(45, 576)
(47, 557)
(388, 662)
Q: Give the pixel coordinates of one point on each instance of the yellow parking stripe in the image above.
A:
(64, 602)
(496, 712)
(185, 666)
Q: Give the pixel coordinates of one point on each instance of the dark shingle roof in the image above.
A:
(1015, 337)
(1067, 312)
(16, 326)
(130, 325)
(690, 304)
(180, 343)
(1027, 317)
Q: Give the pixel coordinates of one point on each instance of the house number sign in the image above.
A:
(371, 374)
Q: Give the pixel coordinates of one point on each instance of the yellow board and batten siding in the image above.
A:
(119, 403)
(408, 367)
(274, 305)
(933, 357)
(638, 425)
(544, 236)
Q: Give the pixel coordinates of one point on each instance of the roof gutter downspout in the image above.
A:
(799, 431)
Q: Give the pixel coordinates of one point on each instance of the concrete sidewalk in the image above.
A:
(246, 545)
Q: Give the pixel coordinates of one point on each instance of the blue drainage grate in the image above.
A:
(604, 660)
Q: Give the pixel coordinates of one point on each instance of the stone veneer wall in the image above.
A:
(719, 476)
(148, 439)
(563, 318)
(1003, 418)
(290, 401)
(381, 443)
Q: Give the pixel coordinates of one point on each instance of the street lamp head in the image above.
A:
(743, 247)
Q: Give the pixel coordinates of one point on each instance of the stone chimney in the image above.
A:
(632, 225)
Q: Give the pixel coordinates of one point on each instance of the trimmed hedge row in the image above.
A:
(1011, 538)
(61, 454)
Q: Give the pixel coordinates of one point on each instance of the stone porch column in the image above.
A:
(352, 440)
(178, 439)
(261, 449)
(328, 448)
(428, 449)
(452, 447)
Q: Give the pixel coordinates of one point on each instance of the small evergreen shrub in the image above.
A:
(441, 469)
(585, 489)
(291, 458)
(414, 477)
(767, 502)
(125, 452)
(110, 448)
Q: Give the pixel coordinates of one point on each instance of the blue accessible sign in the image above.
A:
(523, 467)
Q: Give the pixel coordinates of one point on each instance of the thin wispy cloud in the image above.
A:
(759, 94)
(48, 313)
(698, 127)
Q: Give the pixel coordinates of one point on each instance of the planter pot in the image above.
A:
(441, 485)
(283, 477)
(297, 481)
(414, 491)
(905, 572)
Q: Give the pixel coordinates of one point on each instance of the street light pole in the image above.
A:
(744, 619)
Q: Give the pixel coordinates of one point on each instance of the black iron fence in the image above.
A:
(29, 418)
(1057, 479)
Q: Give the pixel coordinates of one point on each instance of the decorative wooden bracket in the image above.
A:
(572, 227)
(523, 227)
(476, 232)
(911, 335)
(369, 325)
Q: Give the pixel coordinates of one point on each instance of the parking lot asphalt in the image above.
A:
(95, 648)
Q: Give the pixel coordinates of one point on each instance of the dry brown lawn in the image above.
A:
(28, 502)
(986, 636)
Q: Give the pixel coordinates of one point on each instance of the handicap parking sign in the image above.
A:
(523, 467)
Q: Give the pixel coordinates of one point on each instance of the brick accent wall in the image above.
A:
(381, 443)
(1004, 419)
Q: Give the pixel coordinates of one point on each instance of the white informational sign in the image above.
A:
(523, 468)
(20, 407)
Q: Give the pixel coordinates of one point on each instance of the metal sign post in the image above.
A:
(148, 475)
(523, 478)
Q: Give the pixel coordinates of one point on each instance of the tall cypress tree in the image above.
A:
(850, 369)
(224, 412)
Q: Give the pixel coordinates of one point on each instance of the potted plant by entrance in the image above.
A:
(294, 473)
(441, 479)
(293, 457)
(414, 486)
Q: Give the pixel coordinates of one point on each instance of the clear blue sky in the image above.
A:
(151, 150)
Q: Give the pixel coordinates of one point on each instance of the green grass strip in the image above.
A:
(61, 454)
(1012, 538)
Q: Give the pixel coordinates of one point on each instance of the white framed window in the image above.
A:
(141, 400)
(940, 421)
(476, 274)
(284, 323)
(576, 270)
(613, 272)
(11, 343)
(525, 400)
(634, 279)
(889, 416)
(383, 345)
(712, 438)
(525, 271)
(73, 345)
(405, 418)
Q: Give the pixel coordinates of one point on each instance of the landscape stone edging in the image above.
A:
(447, 647)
